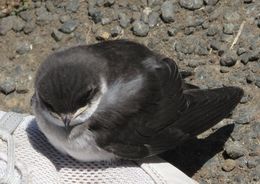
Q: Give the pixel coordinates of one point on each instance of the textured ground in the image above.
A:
(216, 42)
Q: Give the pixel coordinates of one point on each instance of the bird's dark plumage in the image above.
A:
(147, 108)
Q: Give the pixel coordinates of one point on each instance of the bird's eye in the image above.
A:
(55, 115)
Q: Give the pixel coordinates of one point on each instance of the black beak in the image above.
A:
(66, 120)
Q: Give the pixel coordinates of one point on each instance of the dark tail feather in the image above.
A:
(207, 108)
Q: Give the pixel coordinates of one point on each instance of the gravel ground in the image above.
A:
(215, 43)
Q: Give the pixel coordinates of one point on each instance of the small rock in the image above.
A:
(7, 87)
(115, 31)
(109, 2)
(257, 82)
(105, 20)
(124, 20)
(95, 14)
(122, 3)
(212, 30)
(18, 24)
(254, 55)
(229, 165)
(153, 19)
(72, 6)
(102, 35)
(69, 26)
(172, 31)
(27, 15)
(140, 28)
(64, 18)
(23, 47)
(246, 98)
(211, 2)
(228, 28)
(241, 50)
(250, 77)
(205, 25)
(145, 14)
(234, 150)
(184, 47)
(43, 17)
(189, 30)
(215, 45)
(50, 6)
(228, 59)
(57, 35)
(191, 4)
(231, 16)
(22, 88)
(224, 69)
(251, 164)
(29, 27)
(167, 10)
(100, 3)
(244, 58)
(6, 24)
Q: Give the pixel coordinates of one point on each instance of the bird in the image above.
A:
(120, 100)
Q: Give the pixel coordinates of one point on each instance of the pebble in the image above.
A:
(72, 6)
(231, 16)
(244, 58)
(7, 87)
(241, 50)
(6, 24)
(224, 69)
(167, 10)
(228, 59)
(102, 35)
(212, 30)
(229, 165)
(95, 14)
(115, 31)
(27, 15)
(43, 17)
(109, 2)
(18, 24)
(140, 28)
(57, 35)
(69, 26)
(64, 18)
(243, 118)
(172, 31)
(257, 82)
(191, 4)
(189, 30)
(184, 46)
(228, 28)
(22, 87)
(105, 20)
(251, 164)
(50, 6)
(145, 14)
(211, 2)
(29, 27)
(234, 150)
(254, 55)
(250, 77)
(23, 47)
(153, 19)
(124, 20)
(215, 45)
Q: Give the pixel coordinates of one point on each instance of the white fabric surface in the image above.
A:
(37, 162)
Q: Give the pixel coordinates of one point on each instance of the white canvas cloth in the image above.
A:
(37, 162)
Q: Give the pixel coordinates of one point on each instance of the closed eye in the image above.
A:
(55, 115)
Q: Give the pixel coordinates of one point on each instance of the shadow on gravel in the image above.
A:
(192, 155)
